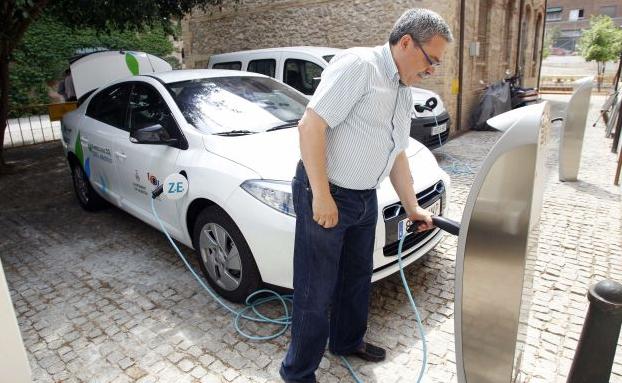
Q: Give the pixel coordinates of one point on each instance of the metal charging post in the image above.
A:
(573, 130)
(501, 210)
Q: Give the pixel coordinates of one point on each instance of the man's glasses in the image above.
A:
(434, 63)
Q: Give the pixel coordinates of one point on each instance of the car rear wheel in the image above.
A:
(224, 256)
(87, 196)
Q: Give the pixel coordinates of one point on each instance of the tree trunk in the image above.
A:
(4, 99)
(12, 32)
(599, 77)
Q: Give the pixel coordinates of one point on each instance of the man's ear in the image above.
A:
(404, 41)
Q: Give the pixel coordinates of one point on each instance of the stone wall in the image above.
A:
(254, 24)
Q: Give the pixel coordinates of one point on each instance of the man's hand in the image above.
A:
(325, 211)
(312, 130)
(403, 183)
(422, 218)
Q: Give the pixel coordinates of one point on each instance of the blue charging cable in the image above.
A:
(454, 169)
(252, 304)
(411, 299)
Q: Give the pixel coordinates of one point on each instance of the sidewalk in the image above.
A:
(103, 298)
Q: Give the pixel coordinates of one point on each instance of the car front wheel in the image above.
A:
(224, 256)
(87, 196)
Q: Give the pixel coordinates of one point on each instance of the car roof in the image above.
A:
(194, 74)
(316, 51)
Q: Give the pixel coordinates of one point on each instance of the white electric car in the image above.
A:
(233, 136)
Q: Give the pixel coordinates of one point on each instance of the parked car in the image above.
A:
(560, 51)
(301, 68)
(233, 136)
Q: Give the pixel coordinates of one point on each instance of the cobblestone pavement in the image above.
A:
(103, 298)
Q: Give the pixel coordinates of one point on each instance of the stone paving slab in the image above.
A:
(103, 298)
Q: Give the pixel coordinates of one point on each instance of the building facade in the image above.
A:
(573, 16)
(491, 36)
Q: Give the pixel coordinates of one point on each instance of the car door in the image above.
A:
(104, 126)
(299, 72)
(145, 166)
(265, 63)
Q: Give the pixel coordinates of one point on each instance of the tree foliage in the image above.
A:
(46, 48)
(101, 15)
(602, 42)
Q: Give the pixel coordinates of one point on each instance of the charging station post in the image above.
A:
(496, 235)
(573, 130)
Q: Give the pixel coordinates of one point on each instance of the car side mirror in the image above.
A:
(153, 135)
(315, 83)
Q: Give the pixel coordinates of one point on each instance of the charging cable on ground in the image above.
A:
(177, 186)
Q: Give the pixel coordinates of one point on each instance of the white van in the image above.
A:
(301, 68)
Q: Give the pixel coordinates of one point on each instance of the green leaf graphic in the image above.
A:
(78, 150)
(132, 63)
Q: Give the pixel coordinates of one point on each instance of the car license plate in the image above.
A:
(435, 209)
(439, 129)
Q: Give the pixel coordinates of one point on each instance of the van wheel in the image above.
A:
(87, 196)
(224, 256)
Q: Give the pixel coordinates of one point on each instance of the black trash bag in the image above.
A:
(494, 101)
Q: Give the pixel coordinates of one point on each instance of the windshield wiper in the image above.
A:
(235, 133)
(287, 124)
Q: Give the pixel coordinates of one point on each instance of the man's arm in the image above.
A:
(402, 181)
(312, 129)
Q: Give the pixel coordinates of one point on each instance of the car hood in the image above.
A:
(272, 155)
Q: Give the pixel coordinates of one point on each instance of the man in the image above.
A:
(353, 135)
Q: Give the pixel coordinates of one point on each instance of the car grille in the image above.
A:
(393, 214)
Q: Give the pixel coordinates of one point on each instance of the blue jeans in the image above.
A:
(332, 271)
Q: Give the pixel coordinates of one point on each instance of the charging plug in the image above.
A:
(157, 191)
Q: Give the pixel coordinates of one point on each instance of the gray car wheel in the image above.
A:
(224, 256)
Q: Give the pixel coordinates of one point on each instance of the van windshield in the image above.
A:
(225, 104)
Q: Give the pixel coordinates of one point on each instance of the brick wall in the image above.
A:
(255, 24)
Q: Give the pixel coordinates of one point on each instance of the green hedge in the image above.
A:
(44, 54)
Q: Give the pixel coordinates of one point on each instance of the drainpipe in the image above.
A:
(542, 43)
(461, 64)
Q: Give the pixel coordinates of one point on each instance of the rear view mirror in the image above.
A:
(152, 134)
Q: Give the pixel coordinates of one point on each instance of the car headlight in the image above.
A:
(276, 194)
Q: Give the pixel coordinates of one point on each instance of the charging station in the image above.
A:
(573, 130)
(500, 217)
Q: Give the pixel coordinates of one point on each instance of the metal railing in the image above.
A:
(33, 127)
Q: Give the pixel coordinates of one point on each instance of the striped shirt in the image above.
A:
(368, 112)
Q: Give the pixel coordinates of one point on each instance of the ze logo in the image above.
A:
(175, 186)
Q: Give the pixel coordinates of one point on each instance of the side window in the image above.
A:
(148, 108)
(234, 65)
(110, 106)
(300, 73)
(265, 66)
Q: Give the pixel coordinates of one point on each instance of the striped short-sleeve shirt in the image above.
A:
(368, 112)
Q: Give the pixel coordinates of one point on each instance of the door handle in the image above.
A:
(120, 155)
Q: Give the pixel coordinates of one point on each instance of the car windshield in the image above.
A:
(224, 104)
